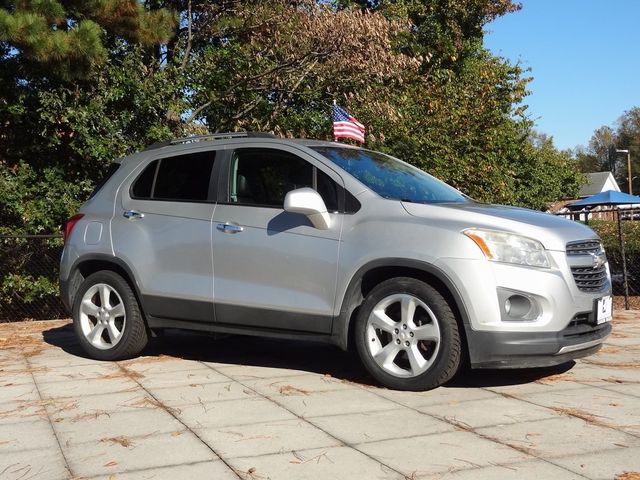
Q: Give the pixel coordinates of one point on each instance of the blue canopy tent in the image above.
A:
(611, 198)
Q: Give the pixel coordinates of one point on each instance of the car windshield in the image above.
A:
(391, 178)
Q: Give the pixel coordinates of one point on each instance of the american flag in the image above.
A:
(345, 126)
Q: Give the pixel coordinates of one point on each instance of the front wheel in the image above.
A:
(407, 335)
(107, 318)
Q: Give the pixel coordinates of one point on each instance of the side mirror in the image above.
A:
(308, 202)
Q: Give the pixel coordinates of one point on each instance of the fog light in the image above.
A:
(518, 306)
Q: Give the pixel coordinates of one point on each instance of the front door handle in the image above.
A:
(229, 227)
(132, 214)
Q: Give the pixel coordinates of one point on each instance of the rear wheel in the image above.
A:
(407, 335)
(107, 318)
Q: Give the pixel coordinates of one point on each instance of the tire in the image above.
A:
(403, 350)
(107, 318)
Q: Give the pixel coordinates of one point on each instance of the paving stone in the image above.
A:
(77, 408)
(494, 411)
(180, 378)
(308, 383)
(438, 396)
(13, 392)
(442, 452)
(560, 436)
(565, 380)
(533, 470)
(88, 387)
(22, 411)
(337, 462)
(216, 470)
(606, 464)
(99, 428)
(383, 425)
(251, 372)
(606, 407)
(332, 402)
(198, 393)
(117, 423)
(12, 363)
(598, 374)
(33, 464)
(162, 364)
(58, 358)
(265, 438)
(233, 412)
(631, 389)
(47, 374)
(36, 434)
(105, 458)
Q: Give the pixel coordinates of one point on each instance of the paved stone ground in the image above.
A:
(249, 408)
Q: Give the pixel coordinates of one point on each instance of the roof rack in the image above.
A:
(209, 137)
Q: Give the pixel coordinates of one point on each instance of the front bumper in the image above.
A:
(540, 349)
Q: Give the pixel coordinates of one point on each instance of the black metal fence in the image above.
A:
(619, 230)
(29, 266)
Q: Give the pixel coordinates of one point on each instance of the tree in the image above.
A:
(69, 73)
(93, 81)
(628, 138)
(601, 153)
(71, 39)
(272, 66)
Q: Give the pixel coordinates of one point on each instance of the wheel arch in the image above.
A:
(89, 264)
(372, 273)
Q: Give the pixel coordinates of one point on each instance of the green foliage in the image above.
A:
(37, 202)
(29, 284)
(413, 71)
(608, 232)
(69, 38)
(601, 155)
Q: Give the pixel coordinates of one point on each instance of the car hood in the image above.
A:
(554, 232)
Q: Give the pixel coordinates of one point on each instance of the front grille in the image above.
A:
(590, 279)
(584, 248)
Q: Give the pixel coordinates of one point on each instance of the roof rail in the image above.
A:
(209, 137)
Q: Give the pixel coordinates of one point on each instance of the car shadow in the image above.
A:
(319, 358)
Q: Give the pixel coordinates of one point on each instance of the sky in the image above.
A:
(584, 57)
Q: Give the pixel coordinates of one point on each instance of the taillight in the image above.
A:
(68, 227)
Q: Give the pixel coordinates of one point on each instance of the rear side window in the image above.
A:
(183, 178)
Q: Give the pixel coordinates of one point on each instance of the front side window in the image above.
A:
(391, 178)
(264, 176)
(183, 178)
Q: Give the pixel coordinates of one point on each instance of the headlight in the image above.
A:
(509, 248)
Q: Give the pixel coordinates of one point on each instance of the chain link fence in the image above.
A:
(29, 278)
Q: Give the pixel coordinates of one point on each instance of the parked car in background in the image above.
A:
(256, 235)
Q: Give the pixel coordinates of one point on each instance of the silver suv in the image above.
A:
(256, 235)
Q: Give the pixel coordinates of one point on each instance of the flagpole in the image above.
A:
(334, 133)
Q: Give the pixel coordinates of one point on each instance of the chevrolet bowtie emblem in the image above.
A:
(599, 259)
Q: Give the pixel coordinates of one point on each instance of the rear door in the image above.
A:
(273, 269)
(162, 229)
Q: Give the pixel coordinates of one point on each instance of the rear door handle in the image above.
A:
(229, 227)
(132, 214)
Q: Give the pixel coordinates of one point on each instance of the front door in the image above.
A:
(273, 269)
